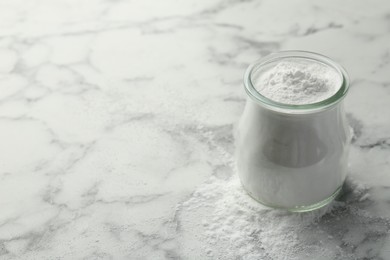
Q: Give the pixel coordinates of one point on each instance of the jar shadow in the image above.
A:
(353, 223)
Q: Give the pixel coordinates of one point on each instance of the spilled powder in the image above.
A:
(220, 221)
(297, 81)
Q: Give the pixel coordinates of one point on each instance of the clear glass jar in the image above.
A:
(293, 157)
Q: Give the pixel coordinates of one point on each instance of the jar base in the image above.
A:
(307, 208)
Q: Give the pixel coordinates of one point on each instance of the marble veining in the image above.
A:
(117, 121)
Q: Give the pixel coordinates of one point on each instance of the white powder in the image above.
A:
(220, 221)
(292, 160)
(298, 81)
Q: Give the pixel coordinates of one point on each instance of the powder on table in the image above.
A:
(298, 81)
(230, 225)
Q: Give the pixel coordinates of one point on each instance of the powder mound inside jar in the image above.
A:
(297, 81)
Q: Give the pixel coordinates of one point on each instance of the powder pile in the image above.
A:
(297, 82)
(220, 221)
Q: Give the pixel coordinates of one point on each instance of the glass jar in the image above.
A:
(293, 157)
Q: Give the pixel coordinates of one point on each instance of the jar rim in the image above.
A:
(296, 108)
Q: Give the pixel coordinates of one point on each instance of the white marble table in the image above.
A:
(116, 125)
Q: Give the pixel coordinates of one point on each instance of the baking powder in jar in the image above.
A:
(293, 138)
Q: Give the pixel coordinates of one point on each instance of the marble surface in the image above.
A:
(116, 123)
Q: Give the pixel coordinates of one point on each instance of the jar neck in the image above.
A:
(261, 108)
